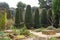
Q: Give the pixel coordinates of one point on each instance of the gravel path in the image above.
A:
(45, 37)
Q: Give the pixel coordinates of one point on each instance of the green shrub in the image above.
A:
(52, 38)
(51, 28)
(40, 29)
(2, 20)
(24, 31)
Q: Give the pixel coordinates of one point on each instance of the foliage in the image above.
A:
(44, 20)
(6, 38)
(50, 17)
(56, 11)
(21, 16)
(36, 19)
(17, 19)
(42, 3)
(52, 38)
(21, 5)
(33, 9)
(2, 20)
(28, 17)
(45, 3)
(50, 28)
(4, 5)
(9, 15)
(40, 29)
(9, 24)
(24, 31)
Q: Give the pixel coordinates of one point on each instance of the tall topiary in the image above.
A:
(44, 20)
(36, 19)
(17, 18)
(28, 17)
(56, 11)
(2, 19)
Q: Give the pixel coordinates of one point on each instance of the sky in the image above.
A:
(13, 3)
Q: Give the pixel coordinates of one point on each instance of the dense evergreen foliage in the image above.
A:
(56, 11)
(36, 19)
(21, 7)
(17, 18)
(28, 17)
(44, 20)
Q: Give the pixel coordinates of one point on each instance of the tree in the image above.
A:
(56, 11)
(28, 17)
(17, 18)
(36, 19)
(21, 16)
(42, 3)
(33, 12)
(4, 5)
(50, 17)
(33, 9)
(21, 7)
(45, 3)
(12, 11)
(2, 19)
(44, 20)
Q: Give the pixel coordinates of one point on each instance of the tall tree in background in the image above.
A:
(45, 3)
(28, 17)
(21, 7)
(33, 9)
(4, 5)
(56, 10)
(17, 18)
(36, 19)
(42, 3)
(44, 20)
(21, 16)
(33, 12)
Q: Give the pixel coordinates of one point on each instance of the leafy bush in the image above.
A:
(2, 20)
(52, 38)
(24, 31)
(40, 29)
(9, 24)
(51, 28)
